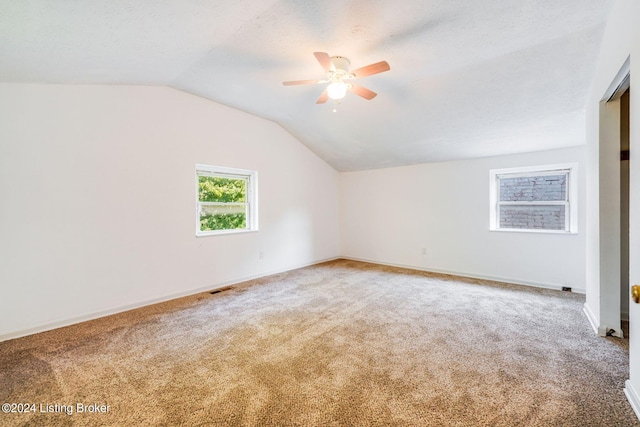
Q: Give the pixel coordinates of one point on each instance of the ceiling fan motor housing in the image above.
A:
(340, 68)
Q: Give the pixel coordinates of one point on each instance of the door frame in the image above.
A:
(607, 238)
(607, 319)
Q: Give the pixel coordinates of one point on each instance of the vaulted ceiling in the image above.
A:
(468, 78)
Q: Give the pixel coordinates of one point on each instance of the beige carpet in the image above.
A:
(338, 344)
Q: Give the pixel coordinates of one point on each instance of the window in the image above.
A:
(226, 200)
(539, 199)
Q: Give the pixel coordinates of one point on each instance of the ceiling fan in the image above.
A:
(337, 69)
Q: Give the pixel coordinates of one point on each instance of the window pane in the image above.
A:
(217, 189)
(538, 217)
(229, 216)
(534, 188)
(226, 200)
(223, 203)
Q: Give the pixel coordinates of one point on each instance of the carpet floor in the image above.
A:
(342, 343)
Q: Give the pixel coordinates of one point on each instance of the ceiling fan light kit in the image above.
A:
(337, 90)
(337, 71)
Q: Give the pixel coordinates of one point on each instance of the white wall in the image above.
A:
(390, 215)
(97, 200)
(621, 41)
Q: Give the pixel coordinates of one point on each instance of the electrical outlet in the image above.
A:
(424, 251)
(260, 255)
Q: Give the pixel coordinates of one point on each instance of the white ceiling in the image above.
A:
(468, 78)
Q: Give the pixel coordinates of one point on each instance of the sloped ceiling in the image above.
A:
(468, 78)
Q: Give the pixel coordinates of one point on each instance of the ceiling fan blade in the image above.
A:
(324, 59)
(303, 82)
(324, 97)
(378, 67)
(362, 91)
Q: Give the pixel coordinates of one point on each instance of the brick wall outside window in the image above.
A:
(534, 199)
(533, 189)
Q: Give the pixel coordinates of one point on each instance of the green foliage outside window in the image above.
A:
(226, 190)
(223, 222)
(229, 196)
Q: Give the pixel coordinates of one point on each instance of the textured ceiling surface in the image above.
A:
(468, 78)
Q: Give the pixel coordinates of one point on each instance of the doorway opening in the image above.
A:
(613, 206)
(624, 210)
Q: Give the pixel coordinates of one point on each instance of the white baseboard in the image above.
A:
(115, 310)
(553, 286)
(633, 397)
(601, 330)
(592, 319)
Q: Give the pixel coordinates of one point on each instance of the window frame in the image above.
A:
(251, 177)
(570, 203)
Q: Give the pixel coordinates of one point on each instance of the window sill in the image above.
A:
(223, 232)
(524, 230)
